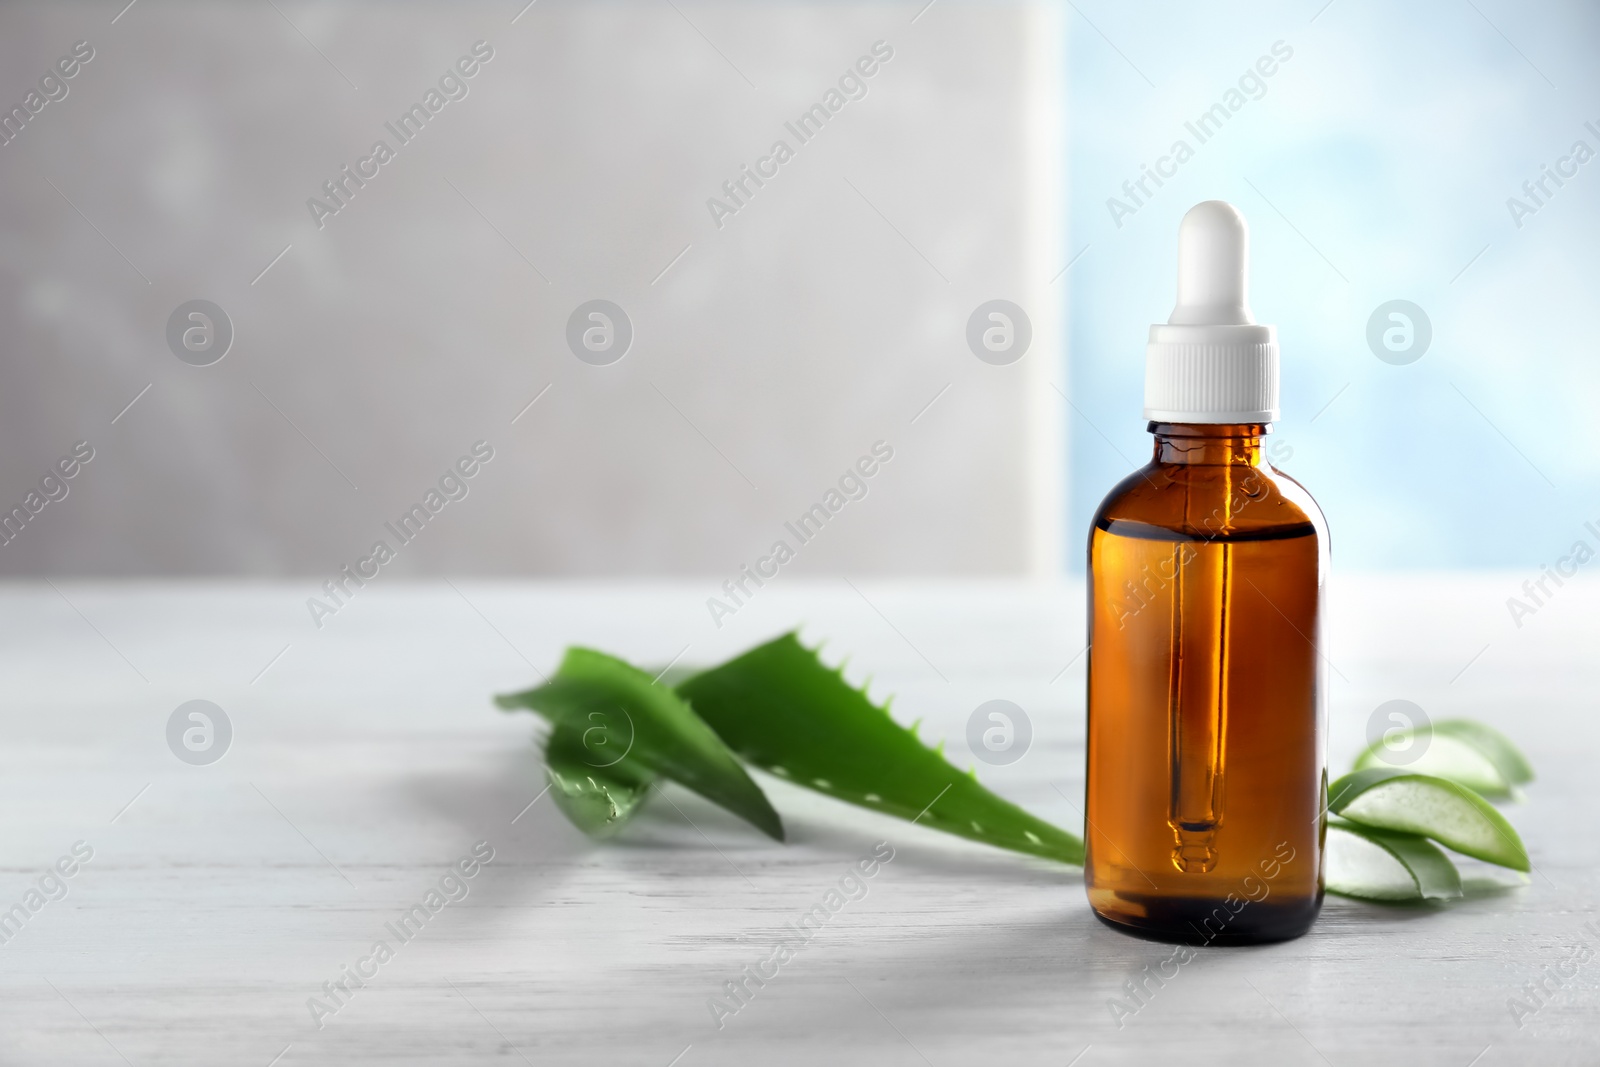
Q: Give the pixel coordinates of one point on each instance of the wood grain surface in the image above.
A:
(366, 760)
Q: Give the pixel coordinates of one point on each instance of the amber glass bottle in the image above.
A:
(1205, 783)
(1206, 779)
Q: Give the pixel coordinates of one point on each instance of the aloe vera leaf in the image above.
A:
(672, 674)
(598, 792)
(1507, 757)
(618, 708)
(1374, 864)
(779, 707)
(1471, 753)
(1446, 811)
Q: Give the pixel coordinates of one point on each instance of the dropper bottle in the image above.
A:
(1206, 779)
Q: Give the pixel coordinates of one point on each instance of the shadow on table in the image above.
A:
(500, 803)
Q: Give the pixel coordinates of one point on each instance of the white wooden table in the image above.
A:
(367, 758)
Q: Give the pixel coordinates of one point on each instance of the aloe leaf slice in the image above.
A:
(1471, 753)
(616, 708)
(779, 707)
(1446, 811)
(1507, 757)
(1374, 864)
(594, 790)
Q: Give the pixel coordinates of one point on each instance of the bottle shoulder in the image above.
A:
(1210, 502)
(1296, 492)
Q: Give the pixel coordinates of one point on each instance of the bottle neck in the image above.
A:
(1206, 444)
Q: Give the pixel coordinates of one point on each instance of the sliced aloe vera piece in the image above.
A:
(1374, 864)
(1507, 757)
(619, 709)
(596, 790)
(1471, 753)
(1451, 814)
(781, 708)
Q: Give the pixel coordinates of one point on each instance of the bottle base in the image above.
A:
(1203, 922)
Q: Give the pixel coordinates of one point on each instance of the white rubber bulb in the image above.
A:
(1213, 267)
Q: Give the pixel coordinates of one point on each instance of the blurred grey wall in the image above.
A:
(374, 346)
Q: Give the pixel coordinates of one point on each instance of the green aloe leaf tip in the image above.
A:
(613, 727)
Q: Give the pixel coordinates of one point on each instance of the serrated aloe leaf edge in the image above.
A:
(596, 791)
(615, 729)
(779, 707)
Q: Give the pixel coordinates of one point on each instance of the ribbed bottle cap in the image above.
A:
(1211, 362)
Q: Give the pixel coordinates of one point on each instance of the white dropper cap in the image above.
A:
(1211, 362)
